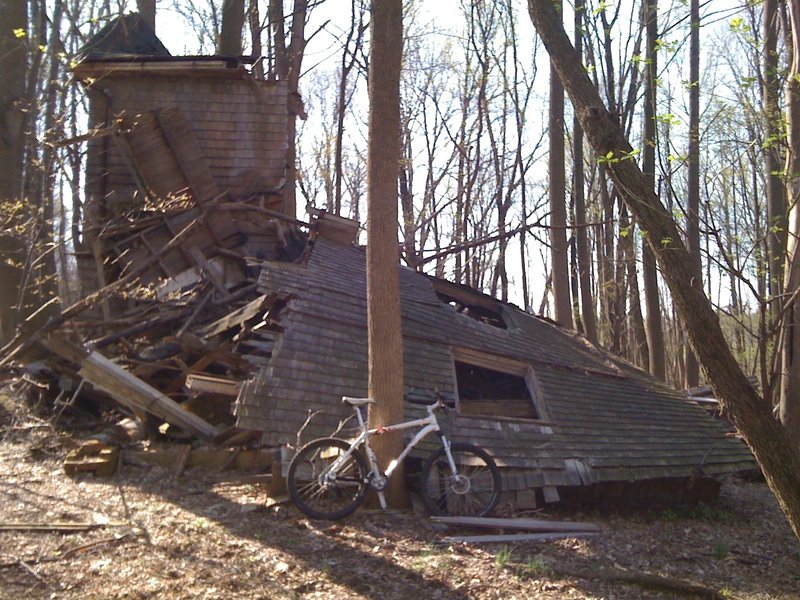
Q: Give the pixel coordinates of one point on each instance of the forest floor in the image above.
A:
(209, 535)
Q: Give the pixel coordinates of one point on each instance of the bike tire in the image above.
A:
(327, 500)
(472, 492)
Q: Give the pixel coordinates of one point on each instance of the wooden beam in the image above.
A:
(129, 390)
(516, 537)
(538, 525)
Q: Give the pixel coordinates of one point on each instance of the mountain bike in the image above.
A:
(329, 478)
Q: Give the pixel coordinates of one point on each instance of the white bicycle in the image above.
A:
(328, 478)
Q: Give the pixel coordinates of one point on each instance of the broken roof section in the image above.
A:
(552, 409)
(124, 36)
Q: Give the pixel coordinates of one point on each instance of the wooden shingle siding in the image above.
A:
(239, 124)
(607, 421)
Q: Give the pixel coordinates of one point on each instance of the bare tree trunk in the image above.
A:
(230, 37)
(383, 286)
(13, 62)
(789, 407)
(47, 272)
(578, 182)
(605, 252)
(692, 369)
(655, 331)
(147, 11)
(559, 257)
(348, 60)
(638, 351)
(288, 64)
(775, 190)
(750, 414)
(405, 184)
(254, 23)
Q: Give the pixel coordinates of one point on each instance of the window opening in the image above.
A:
(485, 391)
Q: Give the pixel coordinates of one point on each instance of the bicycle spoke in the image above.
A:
(322, 484)
(473, 490)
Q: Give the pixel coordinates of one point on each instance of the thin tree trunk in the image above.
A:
(230, 37)
(655, 331)
(254, 23)
(348, 61)
(692, 369)
(578, 182)
(750, 414)
(559, 257)
(775, 190)
(13, 62)
(147, 11)
(789, 407)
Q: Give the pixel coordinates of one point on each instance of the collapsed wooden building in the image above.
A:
(266, 315)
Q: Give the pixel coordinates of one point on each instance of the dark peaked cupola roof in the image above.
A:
(127, 35)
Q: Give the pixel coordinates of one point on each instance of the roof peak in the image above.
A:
(125, 35)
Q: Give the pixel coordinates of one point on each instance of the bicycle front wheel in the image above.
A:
(472, 491)
(320, 492)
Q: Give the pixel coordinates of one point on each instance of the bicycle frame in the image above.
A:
(427, 425)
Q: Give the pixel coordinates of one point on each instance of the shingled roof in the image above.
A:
(597, 419)
(124, 36)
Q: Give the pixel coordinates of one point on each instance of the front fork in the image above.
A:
(376, 480)
(450, 460)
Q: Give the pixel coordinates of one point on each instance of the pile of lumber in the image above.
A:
(176, 323)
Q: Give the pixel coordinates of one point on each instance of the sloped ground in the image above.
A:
(211, 536)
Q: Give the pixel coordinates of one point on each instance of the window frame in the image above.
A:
(501, 364)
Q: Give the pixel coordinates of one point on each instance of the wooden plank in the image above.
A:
(516, 537)
(199, 382)
(538, 525)
(180, 139)
(181, 460)
(235, 318)
(198, 257)
(61, 527)
(129, 390)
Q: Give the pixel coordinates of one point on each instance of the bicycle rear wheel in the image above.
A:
(472, 491)
(323, 495)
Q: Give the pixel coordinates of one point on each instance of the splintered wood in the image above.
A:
(178, 324)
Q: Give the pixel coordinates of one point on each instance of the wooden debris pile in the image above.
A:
(177, 322)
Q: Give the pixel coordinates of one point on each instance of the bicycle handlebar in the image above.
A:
(438, 405)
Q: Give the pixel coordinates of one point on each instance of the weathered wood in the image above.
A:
(141, 327)
(62, 527)
(128, 390)
(516, 537)
(209, 384)
(520, 408)
(181, 140)
(537, 525)
(237, 317)
(204, 458)
(23, 339)
(202, 262)
(181, 460)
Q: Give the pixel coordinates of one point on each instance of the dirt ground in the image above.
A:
(210, 535)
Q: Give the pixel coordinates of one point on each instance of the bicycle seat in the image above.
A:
(357, 401)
